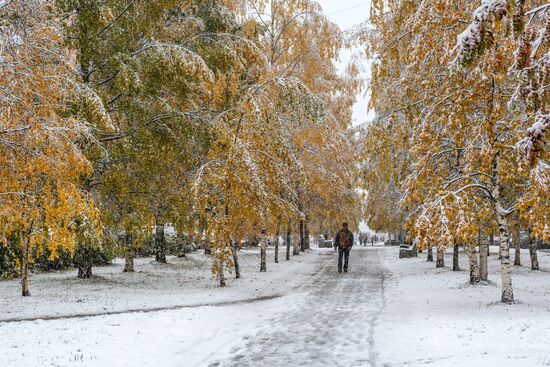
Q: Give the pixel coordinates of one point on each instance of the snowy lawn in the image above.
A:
(434, 316)
(181, 282)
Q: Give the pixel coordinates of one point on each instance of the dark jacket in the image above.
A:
(344, 239)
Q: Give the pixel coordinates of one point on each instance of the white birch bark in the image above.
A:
(129, 255)
(504, 237)
(473, 264)
(505, 271)
(533, 252)
(483, 252)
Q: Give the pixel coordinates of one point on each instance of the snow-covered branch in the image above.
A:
(471, 42)
(536, 136)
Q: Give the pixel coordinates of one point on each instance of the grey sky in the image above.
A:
(347, 14)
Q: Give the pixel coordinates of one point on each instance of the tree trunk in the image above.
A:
(473, 264)
(220, 273)
(207, 249)
(505, 271)
(504, 235)
(181, 245)
(160, 244)
(263, 265)
(263, 253)
(533, 252)
(302, 241)
(84, 261)
(456, 267)
(483, 253)
(295, 246)
(3, 260)
(440, 262)
(491, 243)
(430, 254)
(287, 241)
(306, 232)
(129, 256)
(517, 243)
(25, 292)
(235, 262)
(276, 241)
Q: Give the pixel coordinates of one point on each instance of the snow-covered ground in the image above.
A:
(384, 312)
(433, 316)
(181, 282)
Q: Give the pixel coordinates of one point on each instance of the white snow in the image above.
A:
(541, 124)
(487, 7)
(438, 319)
(535, 135)
(470, 39)
(385, 312)
(181, 282)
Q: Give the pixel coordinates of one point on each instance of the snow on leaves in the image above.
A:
(89, 106)
(176, 65)
(186, 112)
(457, 128)
(41, 167)
(472, 41)
(537, 134)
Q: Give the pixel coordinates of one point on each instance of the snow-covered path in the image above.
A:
(332, 326)
(322, 318)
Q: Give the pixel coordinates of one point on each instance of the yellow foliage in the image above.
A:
(41, 167)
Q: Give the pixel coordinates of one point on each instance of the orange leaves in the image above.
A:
(251, 29)
(280, 147)
(462, 125)
(40, 165)
(534, 206)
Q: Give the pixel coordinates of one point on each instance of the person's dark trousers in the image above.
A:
(345, 254)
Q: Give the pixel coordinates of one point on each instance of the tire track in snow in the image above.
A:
(373, 354)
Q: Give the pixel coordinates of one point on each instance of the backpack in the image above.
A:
(345, 240)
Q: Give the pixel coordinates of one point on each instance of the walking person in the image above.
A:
(344, 242)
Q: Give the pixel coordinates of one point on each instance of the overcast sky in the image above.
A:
(347, 14)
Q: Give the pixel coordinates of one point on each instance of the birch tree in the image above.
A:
(42, 166)
(451, 95)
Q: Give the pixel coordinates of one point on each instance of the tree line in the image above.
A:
(459, 148)
(227, 119)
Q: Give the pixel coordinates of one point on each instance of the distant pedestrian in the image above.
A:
(344, 242)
